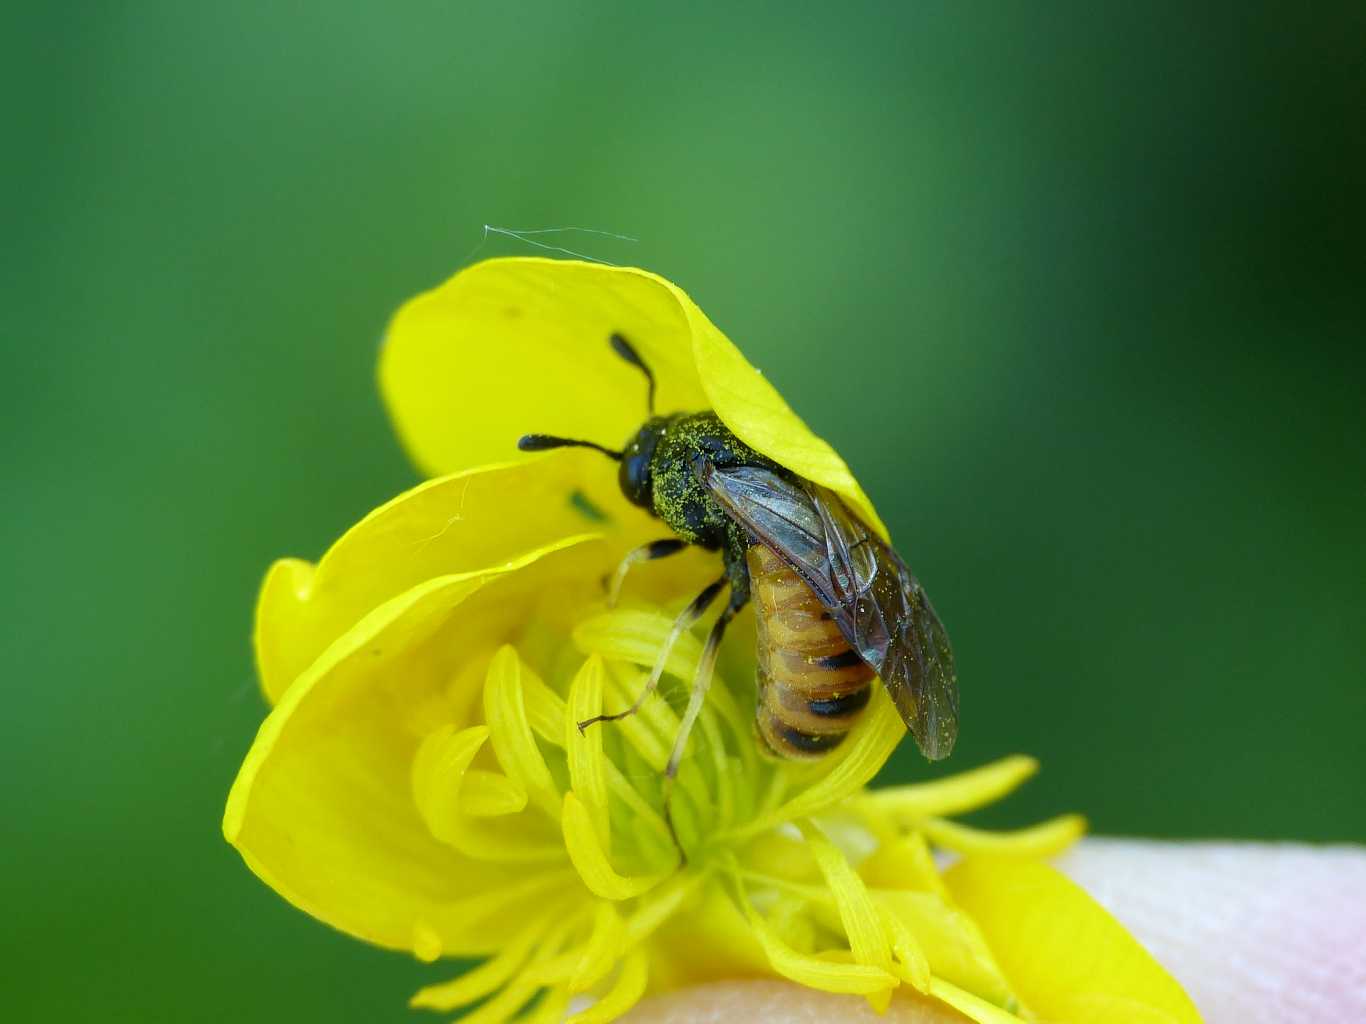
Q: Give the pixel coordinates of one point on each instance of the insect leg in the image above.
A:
(701, 684)
(645, 553)
(706, 666)
(686, 618)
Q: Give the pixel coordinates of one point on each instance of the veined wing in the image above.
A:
(879, 605)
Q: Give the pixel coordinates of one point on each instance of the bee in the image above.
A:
(835, 605)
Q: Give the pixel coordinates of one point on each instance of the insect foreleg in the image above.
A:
(645, 553)
(685, 619)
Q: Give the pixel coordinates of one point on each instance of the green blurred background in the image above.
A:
(1076, 290)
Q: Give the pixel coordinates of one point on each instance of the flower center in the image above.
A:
(777, 861)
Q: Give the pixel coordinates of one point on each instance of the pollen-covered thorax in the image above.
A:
(678, 497)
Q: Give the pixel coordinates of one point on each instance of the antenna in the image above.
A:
(627, 351)
(542, 442)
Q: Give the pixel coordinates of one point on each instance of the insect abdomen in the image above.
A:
(812, 684)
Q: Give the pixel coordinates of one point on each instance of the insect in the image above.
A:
(835, 605)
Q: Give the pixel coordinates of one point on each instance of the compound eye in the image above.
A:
(634, 477)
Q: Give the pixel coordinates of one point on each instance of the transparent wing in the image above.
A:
(877, 602)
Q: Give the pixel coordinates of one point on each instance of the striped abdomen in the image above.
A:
(812, 684)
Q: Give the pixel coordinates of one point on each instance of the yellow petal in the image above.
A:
(649, 830)
(816, 972)
(490, 795)
(520, 346)
(624, 993)
(456, 524)
(503, 1006)
(861, 920)
(952, 944)
(484, 979)
(559, 955)
(964, 791)
(657, 906)
(903, 863)
(648, 732)
(1066, 957)
(545, 709)
(516, 346)
(651, 731)
(551, 1008)
(510, 728)
(971, 1006)
(604, 945)
(280, 657)
(587, 763)
(912, 965)
(439, 772)
(591, 860)
(637, 636)
(1046, 839)
(829, 972)
(322, 808)
(703, 937)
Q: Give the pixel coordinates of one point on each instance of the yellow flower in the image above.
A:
(420, 782)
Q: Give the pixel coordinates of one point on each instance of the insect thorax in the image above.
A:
(679, 498)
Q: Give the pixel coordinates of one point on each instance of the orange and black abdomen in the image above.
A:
(812, 684)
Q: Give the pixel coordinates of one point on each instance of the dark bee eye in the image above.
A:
(634, 476)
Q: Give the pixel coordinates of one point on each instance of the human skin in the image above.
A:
(1258, 933)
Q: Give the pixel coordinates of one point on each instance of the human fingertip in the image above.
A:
(782, 1002)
